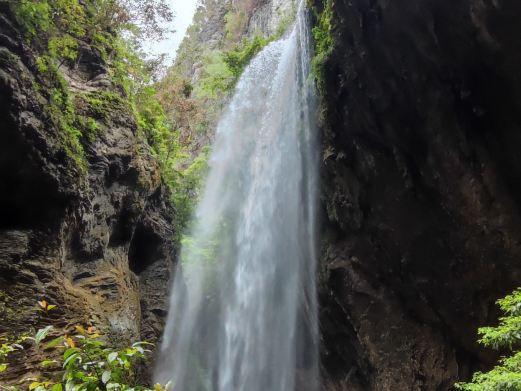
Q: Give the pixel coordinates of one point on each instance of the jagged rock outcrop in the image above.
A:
(421, 188)
(267, 16)
(94, 239)
(214, 21)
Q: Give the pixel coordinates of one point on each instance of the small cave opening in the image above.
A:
(29, 198)
(122, 229)
(145, 249)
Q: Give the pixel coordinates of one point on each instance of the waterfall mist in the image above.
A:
(243, 306)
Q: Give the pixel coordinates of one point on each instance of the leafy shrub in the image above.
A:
(238, 58)
(188, 184)
(79, 362)
(506, 376)
(216, 78)
(6, 348)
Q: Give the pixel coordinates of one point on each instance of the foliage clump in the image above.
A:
(76, 361)
(237, 58)
(506, 376)
(59, 30)
(323, 39)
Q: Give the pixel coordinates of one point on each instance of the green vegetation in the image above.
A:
(113, 29)
(222, 69)
(192, 105)
(175, 116)
(506, 376)
(217, 80)
(237, 58)
(189, 108)
(53, 29)
(81, 361)
(6, 348)
(324, 42)
(189, 185)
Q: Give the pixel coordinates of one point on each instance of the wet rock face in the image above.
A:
(96, 241)
(421, 189)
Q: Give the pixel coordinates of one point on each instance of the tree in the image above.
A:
(151, 16)
(506, 376)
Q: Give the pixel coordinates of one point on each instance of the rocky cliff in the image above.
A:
(421, 187)
(90, 233)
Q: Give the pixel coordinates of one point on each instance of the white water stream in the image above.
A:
(243, 307)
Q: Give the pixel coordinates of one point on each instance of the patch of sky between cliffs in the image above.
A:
(184, 11)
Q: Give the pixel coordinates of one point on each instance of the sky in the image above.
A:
(184, 11)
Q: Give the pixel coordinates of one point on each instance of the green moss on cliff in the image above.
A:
(323, 39)
(56, 30)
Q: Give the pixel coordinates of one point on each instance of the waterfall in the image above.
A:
(243, 306)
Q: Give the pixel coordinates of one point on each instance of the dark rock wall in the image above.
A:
(421, 188)
(96, 241)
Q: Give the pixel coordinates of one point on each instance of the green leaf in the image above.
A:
(46, 363)
(71, 359)
(57, 387)
(69, 386)
(142, 343)
(34, 385)
(506, 375)
(112, 356)
(3, 367)
(105, 377)
(41, 334)
(70, 351)
(54, 342)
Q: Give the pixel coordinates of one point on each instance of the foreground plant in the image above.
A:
(79, 362)
(6, 348)
(506, 376)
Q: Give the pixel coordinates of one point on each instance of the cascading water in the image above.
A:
(243, 307)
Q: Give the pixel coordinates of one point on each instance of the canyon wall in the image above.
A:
(420, 192)
(91, 232)
(421, 188)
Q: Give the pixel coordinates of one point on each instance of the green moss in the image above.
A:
(104, 104)
(54, 30)
(323, 39)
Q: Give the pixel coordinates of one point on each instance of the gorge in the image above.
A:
(417, 204)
